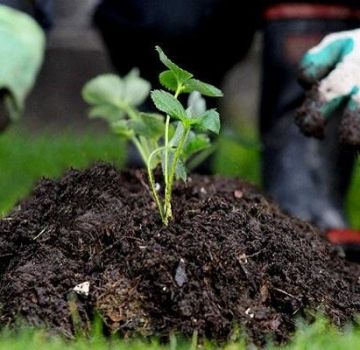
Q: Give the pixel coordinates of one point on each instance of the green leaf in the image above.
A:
(210, 121)
(136, 89)
(177, 135)
(22, 43)
(110, 89)
(168, 80)
(180, 170)
(195, 144)
(109, 112)
(150, 125)
(121, 128)
(154, 122)
(204, 88)
(181, 74)
(104, 89)
(170, 160)
(168, 104)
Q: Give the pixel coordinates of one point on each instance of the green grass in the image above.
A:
(353, 202)
(319, 336)
(25, 158)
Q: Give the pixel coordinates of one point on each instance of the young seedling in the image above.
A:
(169, 138)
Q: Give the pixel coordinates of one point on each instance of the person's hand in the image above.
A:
(22, 44)
(331, 72)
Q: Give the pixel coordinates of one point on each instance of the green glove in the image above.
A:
(22, 45)
(332, 72)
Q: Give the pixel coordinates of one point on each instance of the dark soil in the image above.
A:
(230, 258)
(350, 128)
(309, 117)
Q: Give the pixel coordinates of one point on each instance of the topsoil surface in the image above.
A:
(230, 258)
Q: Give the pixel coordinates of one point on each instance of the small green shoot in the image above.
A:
(169, 138)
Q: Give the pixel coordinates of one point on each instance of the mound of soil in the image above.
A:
(229, 258)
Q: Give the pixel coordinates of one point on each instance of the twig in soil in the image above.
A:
(255, 254)
(39, 234)
(242, 259)
(286, 293)
(140, 177)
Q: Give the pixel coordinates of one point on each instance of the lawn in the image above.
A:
(319, 336)
(25, 158)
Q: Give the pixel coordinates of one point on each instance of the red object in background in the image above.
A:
(344, 236)
(310, 11)
(348, 241)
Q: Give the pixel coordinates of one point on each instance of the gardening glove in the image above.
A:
(22, 44)
(332, 72)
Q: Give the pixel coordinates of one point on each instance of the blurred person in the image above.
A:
(307, 177)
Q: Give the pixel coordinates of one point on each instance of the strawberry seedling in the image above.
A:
(168, 138)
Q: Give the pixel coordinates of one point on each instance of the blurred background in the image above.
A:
(75, 54)
(55, 132)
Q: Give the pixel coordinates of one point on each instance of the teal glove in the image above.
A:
(22, 45)
(332, 71)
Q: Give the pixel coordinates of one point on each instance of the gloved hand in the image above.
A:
(22, 44)
(332, 72)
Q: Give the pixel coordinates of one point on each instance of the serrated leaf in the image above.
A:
(104, 89)
(136, 89)
(168, 80)
(121, 128)
(210, 121)
(168, 104)
(195, 144)
(204, 88)
(110, 113)
(181, 74)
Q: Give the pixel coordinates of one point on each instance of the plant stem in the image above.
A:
(140, 149)
(168, 179)
(155, 195)
(169, 185)
(178, 90)
(152, 184)
(166, 141)
(166, 156)
(131, 112)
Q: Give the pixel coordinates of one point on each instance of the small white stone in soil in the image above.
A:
(82, 288)
(180, 275)
(238, 194)
(249, 313)
(243, 259)
(157, 187)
